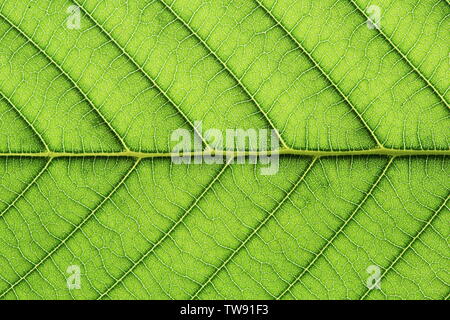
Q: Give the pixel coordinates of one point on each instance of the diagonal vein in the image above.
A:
(168, 233)
(29, 185)
(340, 230)
(228, 69)
(141, 70)
(404, 57)
(36, 132)
(325, 74)
(74, 230)
(68, 77)
(408, 246)
(255, 231)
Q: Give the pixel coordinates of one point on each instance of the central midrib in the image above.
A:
(284, 151)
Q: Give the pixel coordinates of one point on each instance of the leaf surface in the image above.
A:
(86, 177)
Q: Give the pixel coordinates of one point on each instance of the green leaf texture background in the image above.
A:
(86, 179)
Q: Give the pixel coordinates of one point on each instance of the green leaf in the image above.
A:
(92, 207)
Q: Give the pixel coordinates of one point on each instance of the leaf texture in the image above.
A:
(86, 178)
